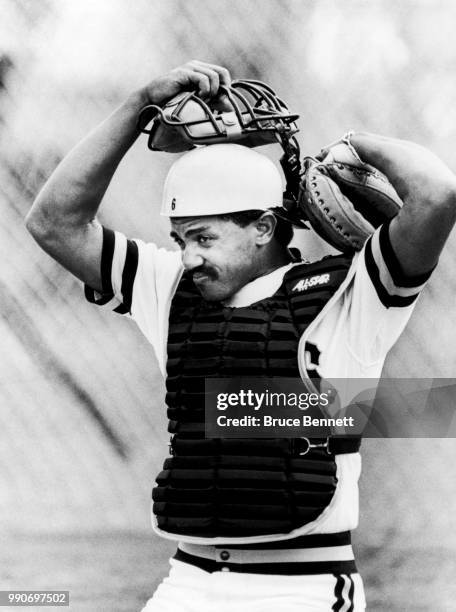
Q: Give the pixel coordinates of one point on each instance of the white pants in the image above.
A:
(190, 589)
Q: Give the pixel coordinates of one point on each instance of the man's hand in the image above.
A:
(205, 79)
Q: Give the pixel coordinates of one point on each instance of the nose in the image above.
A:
(191, 259)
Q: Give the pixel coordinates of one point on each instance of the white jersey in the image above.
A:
(350, 338)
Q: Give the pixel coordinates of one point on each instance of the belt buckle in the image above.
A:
(311, 445)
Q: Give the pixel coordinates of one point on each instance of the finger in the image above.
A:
(191, 79)
(213, 77)
(223, 73)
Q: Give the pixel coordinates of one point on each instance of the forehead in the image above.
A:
(182, 225)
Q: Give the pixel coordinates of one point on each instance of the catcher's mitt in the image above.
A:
(345, 199)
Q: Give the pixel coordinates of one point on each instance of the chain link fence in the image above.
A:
(81, 400)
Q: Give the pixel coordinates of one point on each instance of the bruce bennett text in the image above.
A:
(269, 421)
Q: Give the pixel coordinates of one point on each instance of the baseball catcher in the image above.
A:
(259, 524)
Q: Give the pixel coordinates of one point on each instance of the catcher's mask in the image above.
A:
(248, 112)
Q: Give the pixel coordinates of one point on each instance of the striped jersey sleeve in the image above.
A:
(381, 299)
(119, 265)
(383, 267)
(139, 280)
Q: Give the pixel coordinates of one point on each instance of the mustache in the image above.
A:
(210, 272)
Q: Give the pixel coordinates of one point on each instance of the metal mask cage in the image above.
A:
(255, 105)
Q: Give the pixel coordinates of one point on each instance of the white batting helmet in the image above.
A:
(220, 179)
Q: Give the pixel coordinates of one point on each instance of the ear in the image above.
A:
(265, 226)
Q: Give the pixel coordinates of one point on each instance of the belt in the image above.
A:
(315, 554)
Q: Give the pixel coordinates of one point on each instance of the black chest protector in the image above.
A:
(242, 487)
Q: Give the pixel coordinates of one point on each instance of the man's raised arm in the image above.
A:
(428, 189)
(62, 219)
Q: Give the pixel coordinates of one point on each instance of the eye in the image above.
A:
(203, 239)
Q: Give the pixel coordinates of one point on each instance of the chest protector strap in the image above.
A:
(242, 487)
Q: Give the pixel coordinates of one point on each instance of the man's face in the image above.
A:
(221, 255)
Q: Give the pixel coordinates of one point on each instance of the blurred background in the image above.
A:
(83, 428)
